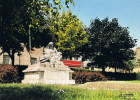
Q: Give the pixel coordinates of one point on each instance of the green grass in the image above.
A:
(59, 92)
(82, 69)
(133, 81)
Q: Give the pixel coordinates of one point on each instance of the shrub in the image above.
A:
(8, 74)
(119, 76)
(20, 73)
(82, 77)
(137, 76)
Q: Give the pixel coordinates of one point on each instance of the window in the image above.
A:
(33, 60)
(6, 59)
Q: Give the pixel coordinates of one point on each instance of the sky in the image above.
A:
(127, 12)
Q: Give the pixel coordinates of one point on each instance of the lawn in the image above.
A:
(59, 92)
(133, 81)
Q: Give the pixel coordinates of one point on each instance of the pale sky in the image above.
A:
(127, 12)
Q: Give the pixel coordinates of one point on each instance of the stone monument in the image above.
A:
(49, 69)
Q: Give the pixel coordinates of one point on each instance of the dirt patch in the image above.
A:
(112, 85)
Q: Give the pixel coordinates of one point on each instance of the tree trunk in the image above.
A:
(115, 69)
(11, 54)
(103, 69)
(13, 60)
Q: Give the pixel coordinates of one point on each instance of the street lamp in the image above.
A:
(19, 54)
(30, 43)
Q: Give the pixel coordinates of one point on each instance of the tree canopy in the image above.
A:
(18, 17)
(110, 44)
(69, 32)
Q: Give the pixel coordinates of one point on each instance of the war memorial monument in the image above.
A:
(49, 69)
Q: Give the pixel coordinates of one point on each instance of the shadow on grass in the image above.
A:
(28, 93)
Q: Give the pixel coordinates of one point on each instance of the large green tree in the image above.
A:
(110, 44)
(130, 65)
(69, 33)
(18, 17)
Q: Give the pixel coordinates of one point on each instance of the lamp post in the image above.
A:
(29, 40)
(19, 54)
(30, 43)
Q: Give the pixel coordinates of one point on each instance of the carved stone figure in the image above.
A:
(51, 54)
(49, 70)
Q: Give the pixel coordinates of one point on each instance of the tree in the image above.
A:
(110, 44)
(18, 17)
(130, 65)
(69, 33)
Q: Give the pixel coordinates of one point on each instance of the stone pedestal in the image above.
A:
(45, 73)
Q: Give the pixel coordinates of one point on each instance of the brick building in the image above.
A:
(137, 69)
(24, 58)
(138, 55)
(36, 53)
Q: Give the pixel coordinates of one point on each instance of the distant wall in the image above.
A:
(137, 69)
(24, 58)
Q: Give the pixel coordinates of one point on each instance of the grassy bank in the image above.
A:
(58, 92)
(133, 81)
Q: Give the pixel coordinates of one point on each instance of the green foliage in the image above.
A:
(69, 32)
(18, 17)
(119, 76)
(58, 92)
(8, 74)
(82, 77)
(137, 76)
(130, 65)
(133, 81)
(110, 44)
(81, 69)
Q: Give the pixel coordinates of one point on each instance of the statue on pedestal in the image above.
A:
(49, 70)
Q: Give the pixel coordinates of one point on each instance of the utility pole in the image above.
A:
(30, 43)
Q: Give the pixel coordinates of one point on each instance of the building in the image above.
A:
(23, 58)
(138, 56)
(36, 53)
(137, 69)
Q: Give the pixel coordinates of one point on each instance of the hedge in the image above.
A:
(8, 74)
(112, 75)
(82, 77)
(120, 76)
(137, 76)
(20, 68)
